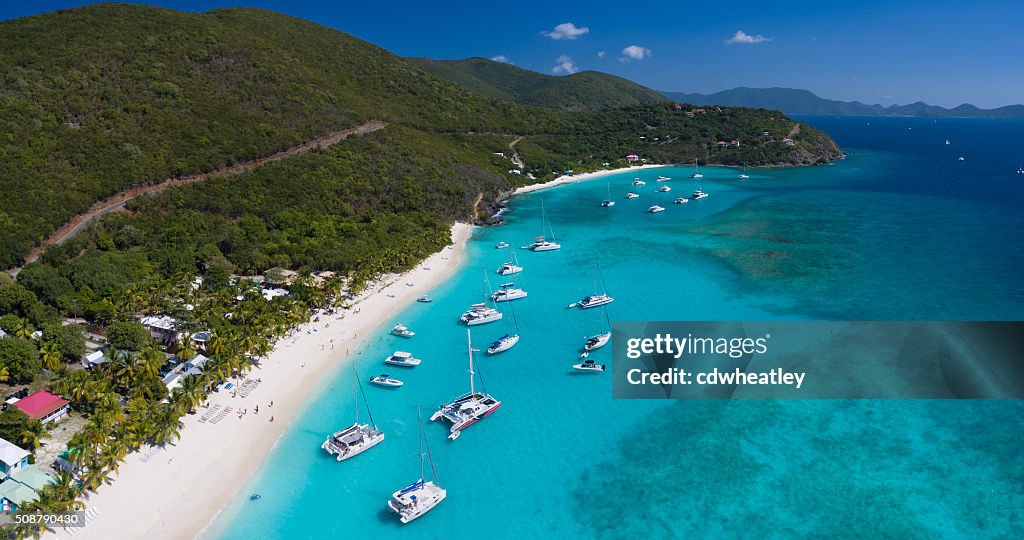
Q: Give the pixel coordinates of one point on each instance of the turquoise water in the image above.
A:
(899, 230)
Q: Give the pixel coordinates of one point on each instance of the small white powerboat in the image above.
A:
(589, 366)
(384, 380)
(400, 330)
(402, 359)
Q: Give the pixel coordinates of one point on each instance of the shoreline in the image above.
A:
(178, 491)
(573, 178)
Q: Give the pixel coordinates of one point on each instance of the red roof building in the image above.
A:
(44, 406)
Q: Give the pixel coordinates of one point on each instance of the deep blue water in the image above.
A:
(899, 230)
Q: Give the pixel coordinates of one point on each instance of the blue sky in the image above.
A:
(938, 51)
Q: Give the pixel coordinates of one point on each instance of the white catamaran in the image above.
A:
(481, 313)
(512, 266)
(470, 408)
(540, 243)
(596, 299)
(608, 201)
(357, 438)
(697, 173)
(421, 496)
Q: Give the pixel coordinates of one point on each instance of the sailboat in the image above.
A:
(421, 496)
(470, 408)
(507, 292)
(510, 338)
(743, 173)
(947, 142)
(696, 174)
(608, 201)
(481, 313)
(512, 266)
(595, 299)
(657, 207)
(597, 341)
(358, 438)
(540, 243)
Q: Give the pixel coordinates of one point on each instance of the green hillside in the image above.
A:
(579, 91)
(101, 98)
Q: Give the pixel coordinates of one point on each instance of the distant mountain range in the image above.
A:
(794, 101)
(579, 91)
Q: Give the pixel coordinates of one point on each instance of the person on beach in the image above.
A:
(271, 418)
(257, 409)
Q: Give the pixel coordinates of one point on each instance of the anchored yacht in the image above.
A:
(503, 343)
(501, 245)
(480, 314)
(595, 300)
(654, 209)
(696, 173)
(663, 179)
(699, 194)
(421, 496)
(400, 330)
(385, 380)
(681, 200)
(541, 243)
(508, 292)
(467, 409)
(632, 195)
(639, 182)
(664, 189)
(357, 438)
(512, 266)
(402, 359)
(589, 366)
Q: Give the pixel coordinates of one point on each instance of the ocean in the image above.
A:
(901, 229)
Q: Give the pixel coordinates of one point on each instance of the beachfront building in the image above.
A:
(163, 328)
(93, 359)
(194, 366)
(279, 276)
(19, 481)
(632, 158)
(44, 406)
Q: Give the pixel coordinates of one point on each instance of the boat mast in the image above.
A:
(430, 458)
(469, 341)
(367, 403)
(422, 437)
(544, 219)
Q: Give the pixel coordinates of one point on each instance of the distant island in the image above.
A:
(795, 101)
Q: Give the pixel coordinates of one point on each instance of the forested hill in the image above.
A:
(97, 99)
(579, 91)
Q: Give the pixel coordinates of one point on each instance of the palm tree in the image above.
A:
(150, 362)
(23, 329)
(187, 348)
(5, 374)
(32, 434)
(50, 356)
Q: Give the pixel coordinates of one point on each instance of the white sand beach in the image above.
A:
(571, 178)
(176, 491)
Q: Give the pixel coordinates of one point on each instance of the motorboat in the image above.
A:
(681, 200)
(501, 245)
(384, 380)
(699, 194)
(743, 176)
(639, 182)
(400, 330)
(503, 343)
(589, 366)
(469, 408)
(654, 209)
(663, 179)
(402, 359)
(632, 195)
(421, 496)
(357, 438)
(424, 299)
(664, 189)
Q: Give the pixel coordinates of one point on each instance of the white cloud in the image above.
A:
(745, 38)
(635, 52)
(601, 54)
(564, 65)
(502, 58)
(567, 30)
